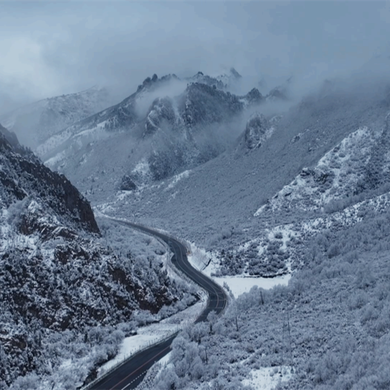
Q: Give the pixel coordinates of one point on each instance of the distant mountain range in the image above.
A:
(313, 167)
(134, 138)
(38, 121)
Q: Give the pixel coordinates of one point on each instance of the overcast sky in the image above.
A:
(50, 48)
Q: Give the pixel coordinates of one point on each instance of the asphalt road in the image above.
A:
(131, 374)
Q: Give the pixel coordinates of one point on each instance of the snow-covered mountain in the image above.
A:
(286, 178)
(225, 81)
(307, 193)
(166, 126)
(36, 122)
(193, 151)
(62, 288)
(267, 190)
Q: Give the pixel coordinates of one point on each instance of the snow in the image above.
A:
(340, 166)
(98, 132)
(177, 178)
(267, 378)
(154, 333)
(53, 142)
(121, 195)
(51, 162)
(165, 360)
(239, 285)
(142, 168)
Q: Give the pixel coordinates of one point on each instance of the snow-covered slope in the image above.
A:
(321, 187)
(226, 81)
(283, 181)
(337, 175)
(64, 293)
(38, 121)
(168, 125)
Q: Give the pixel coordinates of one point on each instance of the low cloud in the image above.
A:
(51, 48)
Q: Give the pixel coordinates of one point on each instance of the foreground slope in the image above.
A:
(328, 329)
(65, 294)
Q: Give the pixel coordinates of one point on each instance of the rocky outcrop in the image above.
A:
(202, 104)
(254, 97)
(23, 175)
(256, 131)
(127, 184)
(161, 113)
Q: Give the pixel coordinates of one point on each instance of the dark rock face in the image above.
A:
(254, 96)
(205, 79)
(10, 137)
(255, 131)
(282, 92)
(277, 94)
(124, 115)
(235, 73)
(164, 163)
(161, 112)
(23, 175)
(127, 184)
(202, 104)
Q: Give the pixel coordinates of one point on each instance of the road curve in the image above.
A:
(131, 374)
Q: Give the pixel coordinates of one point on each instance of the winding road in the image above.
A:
(131, 374)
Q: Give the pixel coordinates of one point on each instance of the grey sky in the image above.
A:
(51, 48)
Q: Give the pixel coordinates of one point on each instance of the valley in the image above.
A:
(236, 226)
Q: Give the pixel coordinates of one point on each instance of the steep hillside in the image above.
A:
(64, 293)
(38, 121)
(328, 329)
(323, 215)
(286, 178)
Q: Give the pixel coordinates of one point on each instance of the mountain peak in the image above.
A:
(153, 82)
(235, 73)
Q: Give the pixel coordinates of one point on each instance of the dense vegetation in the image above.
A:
(330, 325)
(65, 294)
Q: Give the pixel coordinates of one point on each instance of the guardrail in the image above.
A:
(150, 378)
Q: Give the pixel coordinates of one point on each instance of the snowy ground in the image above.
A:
(153, 333)
(238, 285)
(264, 378)
(267, 378)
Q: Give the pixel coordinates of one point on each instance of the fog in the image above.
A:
(171, 89)
(52, 48)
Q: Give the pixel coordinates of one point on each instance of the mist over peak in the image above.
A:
(52, 49)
